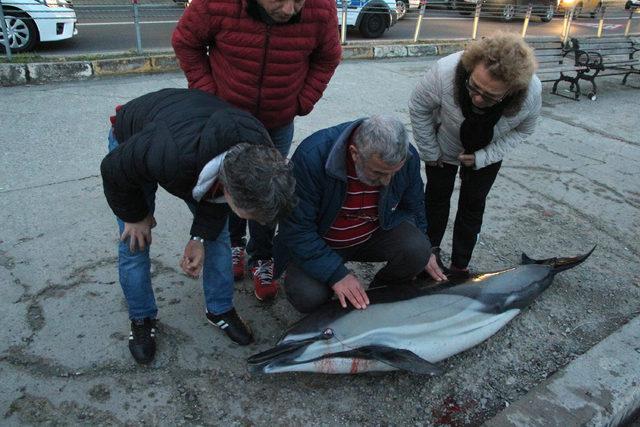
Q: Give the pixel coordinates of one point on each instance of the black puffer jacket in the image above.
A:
(167, 137)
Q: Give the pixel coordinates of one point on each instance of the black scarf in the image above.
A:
(476, 131)
(258, 13)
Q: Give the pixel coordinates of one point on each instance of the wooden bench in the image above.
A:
(554, 58)
(606, 56)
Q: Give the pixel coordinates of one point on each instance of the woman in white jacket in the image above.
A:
(469, 110)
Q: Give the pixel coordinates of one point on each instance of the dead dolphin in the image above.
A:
(411, 327)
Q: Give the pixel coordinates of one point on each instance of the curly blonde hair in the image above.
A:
(507, 57)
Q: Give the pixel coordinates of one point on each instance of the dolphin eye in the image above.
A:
(327, 334)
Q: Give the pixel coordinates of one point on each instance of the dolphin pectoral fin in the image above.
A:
(400, 359)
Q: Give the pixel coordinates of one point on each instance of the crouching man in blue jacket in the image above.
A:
(360, 199)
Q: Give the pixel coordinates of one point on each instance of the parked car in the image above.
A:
(30, 22)
(632, 4)
(509, 9)
(370, 17)
(404, 6)
(593, 7)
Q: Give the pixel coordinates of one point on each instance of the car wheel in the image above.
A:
(372, 25)
(401, 9)
(548, 15)
(22, 32)
(508, 12)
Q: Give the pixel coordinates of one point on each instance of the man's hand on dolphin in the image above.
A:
(434, 270)
(349, 288)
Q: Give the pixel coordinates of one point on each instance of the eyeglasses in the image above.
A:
(473, 89)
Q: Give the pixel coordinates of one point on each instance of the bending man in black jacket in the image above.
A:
(214, 157)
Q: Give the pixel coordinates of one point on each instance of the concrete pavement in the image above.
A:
(601, 387)
(63, 349)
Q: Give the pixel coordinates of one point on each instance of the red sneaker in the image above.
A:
(265, 287)
(237, 256)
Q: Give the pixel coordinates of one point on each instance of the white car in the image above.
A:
(404, 6)
(371, 17)
(32, 21)
(508, 9)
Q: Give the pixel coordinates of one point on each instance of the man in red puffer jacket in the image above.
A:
(272, 58)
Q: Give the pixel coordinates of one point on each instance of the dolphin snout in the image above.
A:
(279, 355)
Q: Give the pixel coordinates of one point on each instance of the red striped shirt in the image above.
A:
(358, 216)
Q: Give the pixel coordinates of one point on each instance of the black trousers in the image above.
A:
(404, 248)
(260, 246)
(474, 188)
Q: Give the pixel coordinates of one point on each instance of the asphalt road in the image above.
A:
(110, 28)
(63, 342)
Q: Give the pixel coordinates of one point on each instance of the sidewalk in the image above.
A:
(63, 340)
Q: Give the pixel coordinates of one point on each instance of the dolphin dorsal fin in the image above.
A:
(527, 260)
(399, 358)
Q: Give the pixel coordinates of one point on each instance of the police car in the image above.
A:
(32, 21)
(370, 17)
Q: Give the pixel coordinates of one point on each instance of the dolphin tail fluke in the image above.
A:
(558, 264)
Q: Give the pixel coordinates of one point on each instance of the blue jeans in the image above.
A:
(135, 275)
(260, 246)
(282, 138)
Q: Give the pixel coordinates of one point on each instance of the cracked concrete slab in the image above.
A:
(63, 342)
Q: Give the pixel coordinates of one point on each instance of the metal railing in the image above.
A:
(493, 14)
(429, 20)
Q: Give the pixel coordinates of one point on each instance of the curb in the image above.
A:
(14, 74)
(601, 387)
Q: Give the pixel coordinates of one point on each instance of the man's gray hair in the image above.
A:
(385, 136)
(260, 181)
